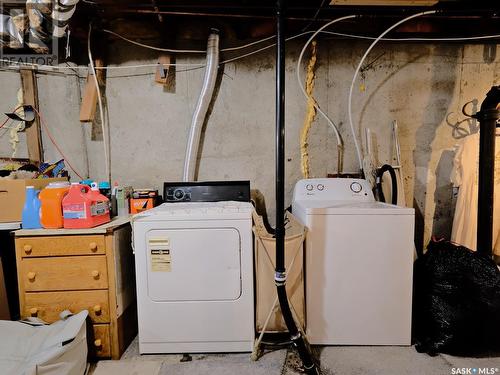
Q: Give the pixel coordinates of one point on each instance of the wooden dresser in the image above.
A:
(81, 269)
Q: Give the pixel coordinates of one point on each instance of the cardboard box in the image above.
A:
(12, 195)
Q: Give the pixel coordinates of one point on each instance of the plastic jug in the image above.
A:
(101, 203)
(83, 208)
(31, 209)
(51, 197)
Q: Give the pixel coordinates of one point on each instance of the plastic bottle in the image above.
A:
(51, 216)
(31, 209)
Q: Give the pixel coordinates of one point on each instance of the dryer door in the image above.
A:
(201, 264)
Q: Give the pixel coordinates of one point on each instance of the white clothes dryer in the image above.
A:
(194, 271)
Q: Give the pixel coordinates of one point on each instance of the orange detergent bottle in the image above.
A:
(83, 208)
(51, 216)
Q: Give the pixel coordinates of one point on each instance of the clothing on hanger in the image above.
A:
(465, 176)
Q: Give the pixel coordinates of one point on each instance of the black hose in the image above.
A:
(394, 182)
(488, 117)
(280, 275)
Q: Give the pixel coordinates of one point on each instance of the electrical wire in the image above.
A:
(248, 44)
(449, 39)
(263, 48)
(5, 122)
(53, 141)
(104, 124)
(299, 78)
(63, 67)
(8, 118)
(186, 51)
(200, 65)
(358, 68)
(315, 17)
(152, 47)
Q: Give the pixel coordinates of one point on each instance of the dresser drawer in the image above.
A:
(60, 246)
(63, 273)
(48, 305)
(101, 347)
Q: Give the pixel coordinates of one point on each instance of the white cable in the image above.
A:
(55, 68)
(299, 79)
(186, 51)
(146, 66)
(351, 124)
(101, 110)
(64, 67)
(248, 44)
(152, 47)
(451, 39)
(263, 48)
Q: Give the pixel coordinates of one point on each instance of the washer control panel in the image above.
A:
(347, 189)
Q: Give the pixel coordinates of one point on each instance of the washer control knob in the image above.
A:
(309, 187)
(320, 187)
(179, 194)
(356, 187)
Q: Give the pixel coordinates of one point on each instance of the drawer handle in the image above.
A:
(31, 276)
(97, 309)
(34, 311)
(98, 343)
(28, 249)
(93, 246)
(95, 274)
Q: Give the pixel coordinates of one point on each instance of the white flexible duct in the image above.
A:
(354, 136)
(201, 109)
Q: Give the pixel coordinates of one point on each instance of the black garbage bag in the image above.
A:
(456, 302)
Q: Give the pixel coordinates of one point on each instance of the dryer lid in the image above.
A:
(225, 210)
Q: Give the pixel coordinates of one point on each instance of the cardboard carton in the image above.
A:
(12, 195)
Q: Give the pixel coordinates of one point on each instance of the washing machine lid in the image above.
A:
(225, 210)
(337, 207)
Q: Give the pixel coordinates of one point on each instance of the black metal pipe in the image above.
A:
(488, 117)
(280, 276)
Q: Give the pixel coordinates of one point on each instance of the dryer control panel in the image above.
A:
(343, 189)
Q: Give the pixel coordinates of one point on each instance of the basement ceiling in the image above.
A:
(245, 19)
(187, 23)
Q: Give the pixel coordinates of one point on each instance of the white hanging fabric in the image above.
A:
(465, 176)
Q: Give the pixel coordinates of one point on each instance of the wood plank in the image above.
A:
(48, 305)
(89, 100)
(384, 2)
(115, 347)
(116, 222)
(127, 327)
(60, 246)
(63, 273)
(33, 132)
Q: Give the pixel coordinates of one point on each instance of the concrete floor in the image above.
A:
(334, 360)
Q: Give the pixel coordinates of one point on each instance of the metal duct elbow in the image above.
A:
(202, 105)
(36, 23)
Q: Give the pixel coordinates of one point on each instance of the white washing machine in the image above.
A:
(359, 264)
(194, 271)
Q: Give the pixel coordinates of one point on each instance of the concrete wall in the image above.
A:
(422, 86)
